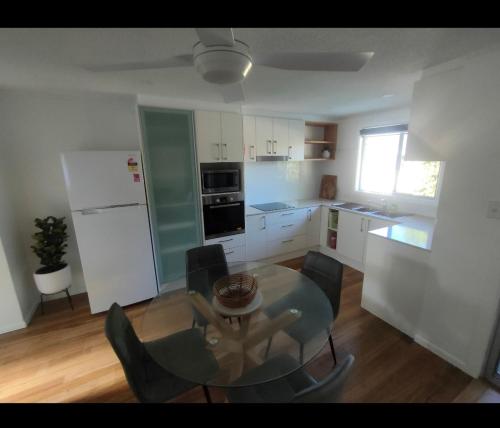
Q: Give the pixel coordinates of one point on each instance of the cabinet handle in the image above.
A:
(289, 152)
(288, 240)
(263, 218)
(224, 157)
(274, 150)
(267, 147)
(252, 157)
(362, 221)
(228, 252)
(226, 240)
(286, 225)
(218, 151)
(286, 214)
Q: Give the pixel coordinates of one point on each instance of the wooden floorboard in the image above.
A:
(63, 356)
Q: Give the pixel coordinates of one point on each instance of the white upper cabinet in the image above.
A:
(280, 137)
(219, 136)
(231, 137)
(270, 136)
(296, 132)
(249, 140)
(264, 136)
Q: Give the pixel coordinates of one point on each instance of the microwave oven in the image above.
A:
(219, 180)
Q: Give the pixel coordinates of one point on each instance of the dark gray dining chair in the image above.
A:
(297, 387)
(150, 382)
(204, 265)
(326, 272)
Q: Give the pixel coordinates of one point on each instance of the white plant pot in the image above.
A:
(54, 282)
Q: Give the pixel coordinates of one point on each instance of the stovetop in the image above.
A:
(272, 206)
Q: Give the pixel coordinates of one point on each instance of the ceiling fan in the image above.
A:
(226, 62)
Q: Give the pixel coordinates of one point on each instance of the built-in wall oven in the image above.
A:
(223, 215)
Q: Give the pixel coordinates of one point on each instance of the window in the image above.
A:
(382, 168)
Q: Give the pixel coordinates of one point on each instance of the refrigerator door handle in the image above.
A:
(101, 209)
(91, 211)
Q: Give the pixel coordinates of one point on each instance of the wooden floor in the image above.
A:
(63, 356)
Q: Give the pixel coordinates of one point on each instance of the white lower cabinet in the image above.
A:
(269, 235)
(288, 245)
(314, 226)
(234, 246)
(351, 235)
(352, 231)
(236, 254)
(256, 237)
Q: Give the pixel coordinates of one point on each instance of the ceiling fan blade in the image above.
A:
(216, 36)
(315, 61)
(175, 61)
(232, 93)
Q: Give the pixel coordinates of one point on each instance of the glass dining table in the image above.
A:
(244, 338)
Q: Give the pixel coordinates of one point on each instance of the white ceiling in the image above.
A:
(54, 58)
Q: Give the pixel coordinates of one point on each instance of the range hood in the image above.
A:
(271, 158)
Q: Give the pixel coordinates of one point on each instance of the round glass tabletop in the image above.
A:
(193, 336)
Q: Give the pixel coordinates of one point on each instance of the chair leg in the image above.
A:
(207, 395)
(332, 349)
(193, 324)
(230, 320)
(41, 303)
(69, 299)
(301, 353)
(268, 347)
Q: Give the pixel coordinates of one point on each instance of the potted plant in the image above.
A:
(55, 274)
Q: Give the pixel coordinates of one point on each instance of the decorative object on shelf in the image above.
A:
(328, 188)
(55, 274)
(326, 154)
(333, 240)
(236, 290)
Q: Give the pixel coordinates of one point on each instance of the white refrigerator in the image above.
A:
(108, 205)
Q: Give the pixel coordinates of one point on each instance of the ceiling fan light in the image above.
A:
(221, 64)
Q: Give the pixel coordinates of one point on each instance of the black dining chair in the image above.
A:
(297, 387)
(204, 265)
(326, 272)
(150, 382)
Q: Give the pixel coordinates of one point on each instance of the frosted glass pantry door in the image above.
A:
(172, 184)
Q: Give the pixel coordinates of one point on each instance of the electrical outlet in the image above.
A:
(493, 209)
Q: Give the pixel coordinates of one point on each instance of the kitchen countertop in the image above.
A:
(414, 230)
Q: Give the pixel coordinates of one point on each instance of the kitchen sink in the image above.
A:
(365, 210)
(349, 205)
(388, 214)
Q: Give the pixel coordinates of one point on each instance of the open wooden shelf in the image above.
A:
(320, 136)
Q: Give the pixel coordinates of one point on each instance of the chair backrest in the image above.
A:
(210, 260)
(327, 274)
(129, 349)
(204, 265)
(328, 390)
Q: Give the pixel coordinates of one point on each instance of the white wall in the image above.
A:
(461, 302)
(346, 158)
(12, 289)
(34, 128)
(281, 181)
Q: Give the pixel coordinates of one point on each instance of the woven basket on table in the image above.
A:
(236, 290)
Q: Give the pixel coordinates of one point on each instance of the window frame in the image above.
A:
(399, 159)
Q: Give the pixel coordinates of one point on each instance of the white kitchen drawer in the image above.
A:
(236, 254)
(230, 241)
(283, 246)
(287, 230)
(286, 217)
